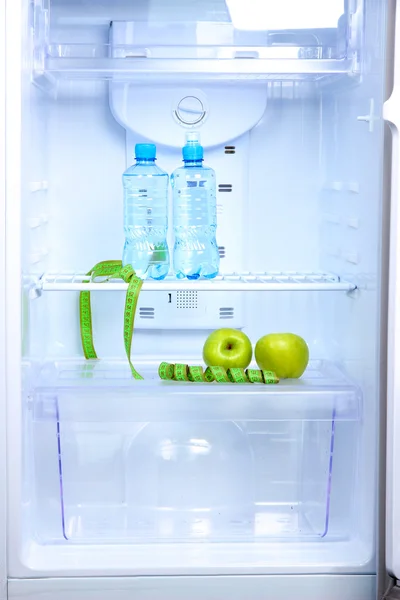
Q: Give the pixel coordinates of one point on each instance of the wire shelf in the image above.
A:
(232, 282)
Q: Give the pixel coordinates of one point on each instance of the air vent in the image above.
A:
(226, 313)
(186, 299)
(146, 312)
(225, 187)
(230, 149)
(222, 251)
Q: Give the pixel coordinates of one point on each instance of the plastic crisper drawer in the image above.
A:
(153, 461)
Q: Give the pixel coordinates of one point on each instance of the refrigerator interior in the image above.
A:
(122, 477)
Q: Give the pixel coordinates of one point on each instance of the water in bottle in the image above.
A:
(195, 215)
(146, 215)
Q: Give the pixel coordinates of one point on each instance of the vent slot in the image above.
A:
(225, 187)
(226, 313)
(185, 299)
(230, 149)
(222, 251)
(147, 312)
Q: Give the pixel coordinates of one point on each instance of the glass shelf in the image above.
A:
(195, 43)
(233, 282)
(227, 64)
(87, 386)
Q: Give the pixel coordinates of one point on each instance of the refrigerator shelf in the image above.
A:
(104, 391)
(232, 282)
(205, 62)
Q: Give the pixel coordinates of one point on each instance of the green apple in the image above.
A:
(228, 348)
(284, 353)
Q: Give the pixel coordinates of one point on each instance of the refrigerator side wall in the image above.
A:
(392, 115)
(383, 580)
(12, 288)
(3, 574)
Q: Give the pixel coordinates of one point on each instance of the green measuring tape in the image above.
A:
(113, 269)
(179, 372)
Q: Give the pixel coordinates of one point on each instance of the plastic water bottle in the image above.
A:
(195, 215)
(146, 215)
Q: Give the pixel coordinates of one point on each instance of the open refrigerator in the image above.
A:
(113, 488)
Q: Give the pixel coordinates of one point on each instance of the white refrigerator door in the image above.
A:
(392, 116)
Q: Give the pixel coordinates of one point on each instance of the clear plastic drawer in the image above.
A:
(152, 461)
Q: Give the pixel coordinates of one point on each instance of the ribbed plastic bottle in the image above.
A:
(146, 215)
(194, 215)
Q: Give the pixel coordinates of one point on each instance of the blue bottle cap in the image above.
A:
(145, 152)
(192, 152)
